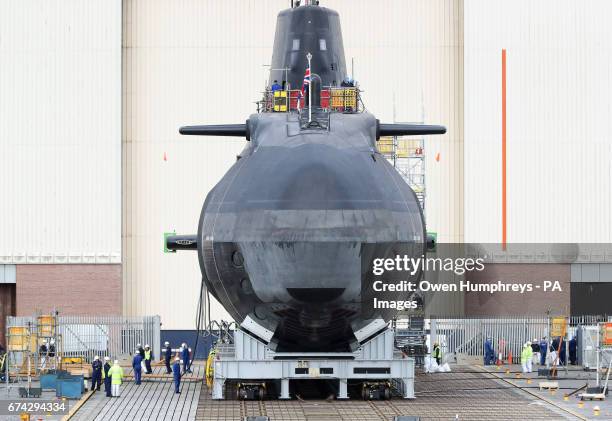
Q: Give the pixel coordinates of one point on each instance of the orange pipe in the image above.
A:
(504, 212)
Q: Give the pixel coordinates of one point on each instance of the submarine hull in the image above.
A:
(287, 236)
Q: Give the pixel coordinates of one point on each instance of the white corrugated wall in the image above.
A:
(409, 62)
(60, 131)
(198, 61)
(559, 153)
(185, 62)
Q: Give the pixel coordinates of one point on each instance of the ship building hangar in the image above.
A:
(94, 171)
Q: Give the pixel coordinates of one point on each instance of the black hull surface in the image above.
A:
(284, 235)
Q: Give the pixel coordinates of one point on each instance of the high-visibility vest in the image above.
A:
(147, 354)
(437, 353)
(116, 374)
(526, 354)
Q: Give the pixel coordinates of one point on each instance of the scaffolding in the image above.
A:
(71, 339)
(34, 347)
(408, 158)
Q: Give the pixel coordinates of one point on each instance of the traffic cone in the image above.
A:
(596, 410)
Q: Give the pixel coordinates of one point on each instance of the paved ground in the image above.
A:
(569, 381)
(154, 399)
(468, 393)
(13, 393)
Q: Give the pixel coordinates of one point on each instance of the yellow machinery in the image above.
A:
(73, 360)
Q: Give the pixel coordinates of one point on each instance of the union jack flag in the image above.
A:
(304, 85)
(306, 78)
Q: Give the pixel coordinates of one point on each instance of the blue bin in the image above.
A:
(71, 387)
(48, 381)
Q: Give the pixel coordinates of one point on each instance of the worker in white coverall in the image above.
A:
(526, 357)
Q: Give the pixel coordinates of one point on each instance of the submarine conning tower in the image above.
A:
(308, 28)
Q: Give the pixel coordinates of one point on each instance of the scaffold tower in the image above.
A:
(407, 155)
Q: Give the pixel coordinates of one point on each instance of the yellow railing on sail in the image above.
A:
(280, 101)
(405, 147)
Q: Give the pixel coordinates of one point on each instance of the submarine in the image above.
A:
(286, 238)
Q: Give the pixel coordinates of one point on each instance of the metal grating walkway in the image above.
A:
(154, 399)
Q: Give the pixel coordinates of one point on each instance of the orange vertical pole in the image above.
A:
(504, 213)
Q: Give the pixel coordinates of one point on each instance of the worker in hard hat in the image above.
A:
(176, 371)
(437, 353)
(52, 358)
(543, 350)
(137, 366)
(167, 356)
(42, 351)
(526, 356)
(116, 375)
(185, 357)
(140, 350)
(106, 376)
(535, 347)
(147, 359)
(96, 373)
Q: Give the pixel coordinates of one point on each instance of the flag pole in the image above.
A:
(309, 57)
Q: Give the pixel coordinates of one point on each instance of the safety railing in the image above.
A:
(508, 335)
(88, 336)
(332, 99)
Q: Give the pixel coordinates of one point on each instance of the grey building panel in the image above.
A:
(605, 272)
(591, 272)
(576, 272)
(8, 274)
